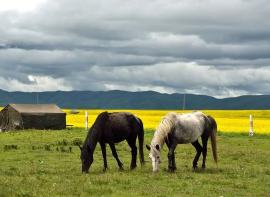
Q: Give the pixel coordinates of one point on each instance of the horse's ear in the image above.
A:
(148, 147)
(157, 147)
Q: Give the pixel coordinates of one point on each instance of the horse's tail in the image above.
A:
(213, 131)
(141, 139)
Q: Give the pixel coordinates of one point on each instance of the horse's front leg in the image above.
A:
(171, 158)
(120, 164)
(103, 149)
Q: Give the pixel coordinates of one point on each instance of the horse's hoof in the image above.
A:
(172, 170)
(195, 168)
(132, 167)
(121, 168)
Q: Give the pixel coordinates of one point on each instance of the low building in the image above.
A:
(32, 116)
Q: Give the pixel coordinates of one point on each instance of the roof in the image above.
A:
(37, 108)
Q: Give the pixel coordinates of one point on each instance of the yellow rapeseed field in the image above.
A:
(227, 120)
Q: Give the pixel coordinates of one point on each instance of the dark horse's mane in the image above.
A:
(99, 124)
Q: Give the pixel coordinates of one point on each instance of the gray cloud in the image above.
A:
(205, 47)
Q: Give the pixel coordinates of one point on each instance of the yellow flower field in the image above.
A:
(227, 120)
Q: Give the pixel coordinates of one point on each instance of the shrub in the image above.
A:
(47, 147)
(64, 142)
(77, 142)
(8, 147)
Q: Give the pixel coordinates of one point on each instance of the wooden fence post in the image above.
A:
(251, 130)
(86, 120)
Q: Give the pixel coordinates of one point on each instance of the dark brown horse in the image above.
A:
(111, 128)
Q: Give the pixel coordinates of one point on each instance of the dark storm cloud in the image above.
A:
(168, 46)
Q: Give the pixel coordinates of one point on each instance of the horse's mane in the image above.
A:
(97, 126)
(164, 128)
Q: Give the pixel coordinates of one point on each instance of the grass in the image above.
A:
(46, 163)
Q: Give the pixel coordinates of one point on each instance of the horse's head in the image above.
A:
(154, 155)
(86, 159)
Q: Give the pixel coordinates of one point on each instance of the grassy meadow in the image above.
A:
(47, 163)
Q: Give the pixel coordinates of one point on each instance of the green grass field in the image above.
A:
(46, 163)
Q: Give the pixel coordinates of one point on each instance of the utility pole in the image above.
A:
(37, 98)
(184, 101)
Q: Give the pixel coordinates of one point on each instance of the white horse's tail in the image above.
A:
(213, 137)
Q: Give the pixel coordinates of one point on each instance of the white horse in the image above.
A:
(182, 129)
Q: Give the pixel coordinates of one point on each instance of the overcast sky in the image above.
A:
(213, 47)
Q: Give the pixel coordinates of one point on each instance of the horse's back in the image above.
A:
(189, 127)
(121, 125)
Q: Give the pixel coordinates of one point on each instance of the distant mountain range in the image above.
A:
(134, 100)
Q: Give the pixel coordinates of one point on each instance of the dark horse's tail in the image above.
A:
(213, 131)
(141, 139)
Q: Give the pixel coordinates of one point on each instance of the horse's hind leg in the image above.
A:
(103, 149)
(120, 164)
(132, 144)
(204, 149)
(198, 147)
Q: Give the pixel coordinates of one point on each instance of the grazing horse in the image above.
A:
(182, 129)
(111, 128)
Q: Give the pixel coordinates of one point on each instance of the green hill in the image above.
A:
(134, 100)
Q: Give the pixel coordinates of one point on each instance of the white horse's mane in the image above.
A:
(164, 128)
